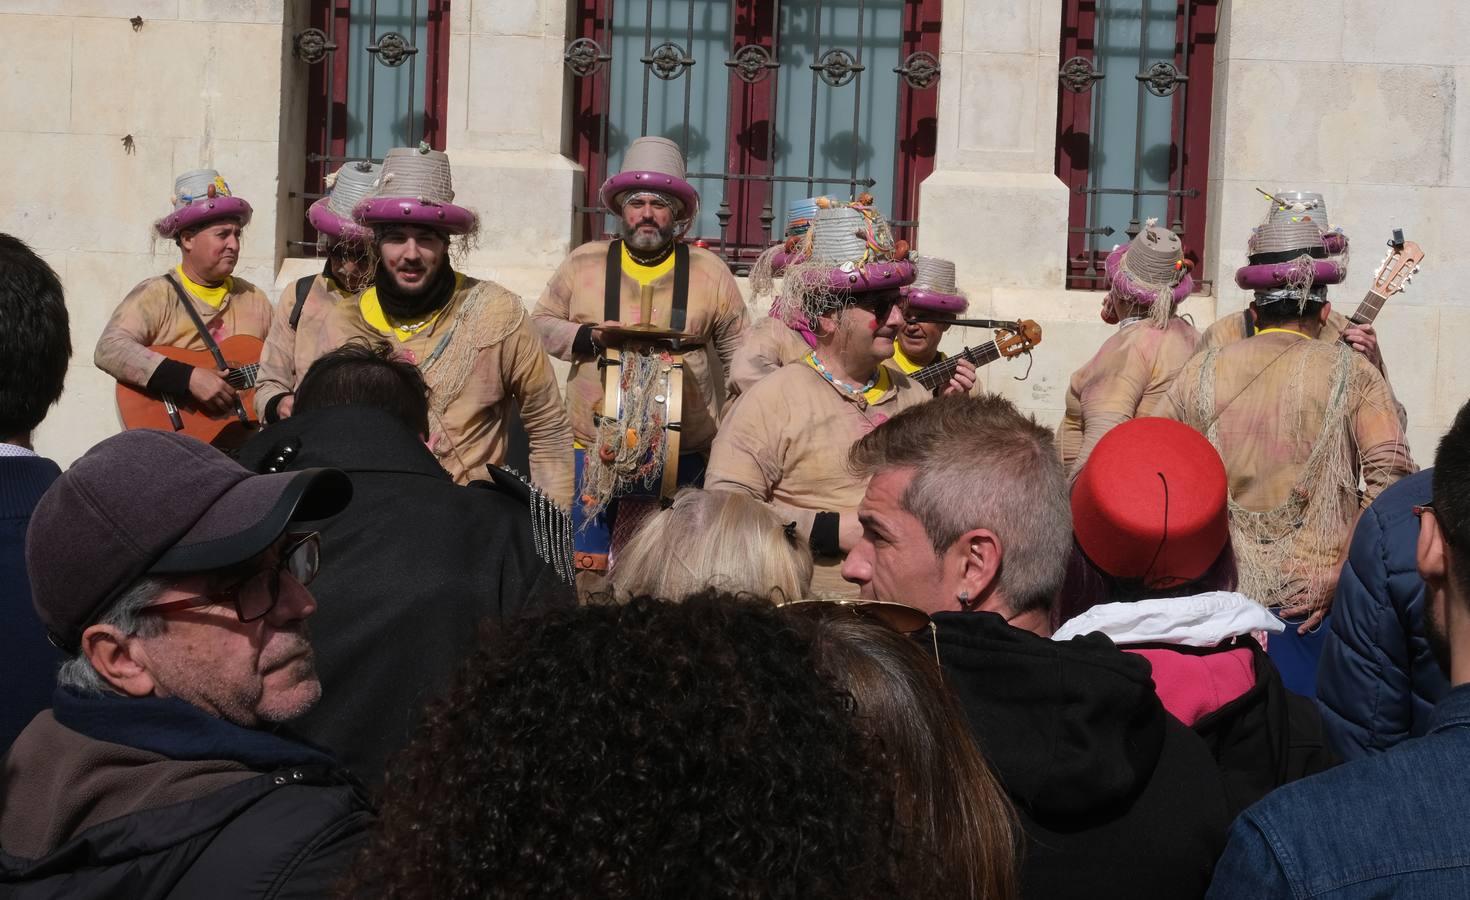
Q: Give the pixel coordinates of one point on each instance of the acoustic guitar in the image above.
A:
(1007, 344)
(140, 409)
(1392, 277)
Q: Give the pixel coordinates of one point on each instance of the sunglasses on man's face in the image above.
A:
(254, 596)
(881, 305)
(896, 617)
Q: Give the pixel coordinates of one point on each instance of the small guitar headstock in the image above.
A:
(1014, 343)
(1398, 269)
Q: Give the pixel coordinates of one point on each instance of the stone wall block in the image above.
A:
(1430, 32)
(95, 284)
(268, 12)
(998, 103)
(506, 17)
(525, 205)
(1288, 117)
(1409, 339)
(1435, 218)
(502, 115)
(1002, 27)
(139, 83)
(1010, 227)
(1453, 382)
(150, 10)
(35, 73)
(1285, 31)
(86, 414)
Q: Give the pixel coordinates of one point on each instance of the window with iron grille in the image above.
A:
(1133, 124)
(379, 78)
(771, 101)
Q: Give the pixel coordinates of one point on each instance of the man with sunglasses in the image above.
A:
(175, 582)
(966, 517)
(295, 334)
(786, 441)
(1391, 824)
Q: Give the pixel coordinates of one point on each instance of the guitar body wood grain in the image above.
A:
(139, 409)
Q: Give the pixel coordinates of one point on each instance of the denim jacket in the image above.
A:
(1391, 825)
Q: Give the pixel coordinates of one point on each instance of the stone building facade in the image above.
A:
(103, 101)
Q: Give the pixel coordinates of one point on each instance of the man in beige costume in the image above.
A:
(206, 224)
(1132, 370)
(472, 339)
(601, 284)
(786, 441)
(296, 328)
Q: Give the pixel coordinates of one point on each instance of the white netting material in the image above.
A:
(632, 447)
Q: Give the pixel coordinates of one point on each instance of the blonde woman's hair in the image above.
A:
(713, 539)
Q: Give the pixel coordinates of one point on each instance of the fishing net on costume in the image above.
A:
(1286, 556)
(486, 317)
(846, 240)
(631, 447)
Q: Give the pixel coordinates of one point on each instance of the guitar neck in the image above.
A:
(936, 375)
(243, 377)
(1369, 309)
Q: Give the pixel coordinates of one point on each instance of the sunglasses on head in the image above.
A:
(896, 617)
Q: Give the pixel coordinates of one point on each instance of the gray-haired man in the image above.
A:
(176, 582)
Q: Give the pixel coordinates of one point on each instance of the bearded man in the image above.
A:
(471, 339)
(786, 441)
(601, 284)
(296, 328)
(206, 224)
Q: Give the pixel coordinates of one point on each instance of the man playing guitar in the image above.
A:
(197, 304)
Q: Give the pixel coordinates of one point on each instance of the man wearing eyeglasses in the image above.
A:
(175, 582)
(966, 517)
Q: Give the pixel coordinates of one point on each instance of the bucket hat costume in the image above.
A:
(1133, 369)
(934, 295)
(294, 342)
(691, 291)
(471, 339)
(786, 441)
(153, 313)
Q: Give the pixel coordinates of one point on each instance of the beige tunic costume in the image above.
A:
(289, 352)
(476, 355)
(152, 315)
(767, 345)
(1231, 328)
(1127, 377)
(574, 297)
(786, 443)
(1297, 422)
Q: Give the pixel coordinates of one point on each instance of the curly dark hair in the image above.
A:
(647, 750)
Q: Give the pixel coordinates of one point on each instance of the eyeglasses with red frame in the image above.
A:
(257, 594)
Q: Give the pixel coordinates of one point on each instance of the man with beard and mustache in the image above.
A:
(175, 582)
(471, 339)
(601, 283)
(296, 328)
(786, 441)
(1389, 825)
(206, 223)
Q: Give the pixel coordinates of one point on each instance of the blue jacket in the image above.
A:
(1377, 681)
(1391, 825)
(27, 660)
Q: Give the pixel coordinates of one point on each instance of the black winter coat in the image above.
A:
(1117, 798)
(410, 570)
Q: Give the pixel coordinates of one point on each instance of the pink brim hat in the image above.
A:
(1270, 276)
(202, 212)
(781, 259)
(1336, 243)
(875, 276)
(657, 182)
(445, 217)
(934, 301)
(1137, 292)
(333, 226)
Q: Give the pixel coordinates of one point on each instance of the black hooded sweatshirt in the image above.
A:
(1117, 798)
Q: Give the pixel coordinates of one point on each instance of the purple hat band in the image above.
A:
(201, 212)
(333, 226)
(1336, 243)
(413, 211)
(1136, 292)
(874, 276)
(781, 259)
(1270, 276)
(934, 301)
(658, 182)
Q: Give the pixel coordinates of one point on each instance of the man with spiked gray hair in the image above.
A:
(297, 325)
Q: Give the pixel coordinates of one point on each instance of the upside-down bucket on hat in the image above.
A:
(1306, 206)
(1150, 271)
(415, 187)
(655, 165)
(933, 289)
(852, 251)
(347, 187)
(1287, 260)
(201, 196)
(1150, 504)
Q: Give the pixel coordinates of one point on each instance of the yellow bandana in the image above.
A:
(372, 313)
(214, 297)
(646, 274)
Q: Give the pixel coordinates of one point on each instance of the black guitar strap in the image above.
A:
(209, 342)
(303, 288)
(613, 288)
(1250, 322)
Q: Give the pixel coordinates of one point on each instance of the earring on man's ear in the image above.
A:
(965, 603)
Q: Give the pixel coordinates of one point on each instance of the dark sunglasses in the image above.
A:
(896, 617)
(256, 594)
(881, 305)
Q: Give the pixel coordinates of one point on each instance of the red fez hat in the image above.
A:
(1150, 504)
